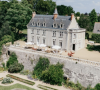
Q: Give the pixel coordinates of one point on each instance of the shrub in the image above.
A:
(96, 37)
(53, 75)
(3, 64)
(12, 59)
(93, 47)
(42, 64)
(97, 87)
(15, 68)
(7, 80)
(25, 72)
(86, 36)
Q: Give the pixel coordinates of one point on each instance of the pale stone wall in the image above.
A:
(48, 36)
(77, 71)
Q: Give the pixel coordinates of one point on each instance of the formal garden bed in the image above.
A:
(21, 80)
(45, 87)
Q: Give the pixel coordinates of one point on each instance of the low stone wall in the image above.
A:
(85, 74)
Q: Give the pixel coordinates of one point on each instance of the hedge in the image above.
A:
(21, 80)
(96, 38)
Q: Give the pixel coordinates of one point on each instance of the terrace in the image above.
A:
(82, 56)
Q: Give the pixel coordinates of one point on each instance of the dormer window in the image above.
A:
(54, 25)
(61, 25)
(33, 23)
(44, 24)
(38, 24)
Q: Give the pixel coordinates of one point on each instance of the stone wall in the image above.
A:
(77, 71)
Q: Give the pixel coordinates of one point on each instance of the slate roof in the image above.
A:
(96, 28)
(48, 19)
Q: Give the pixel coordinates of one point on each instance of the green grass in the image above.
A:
(15, 86)
(90, 34)
(24, 31)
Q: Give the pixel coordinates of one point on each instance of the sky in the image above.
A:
(81, 6)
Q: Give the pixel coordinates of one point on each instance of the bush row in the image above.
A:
(21, 80)
(92, 47)
(45, 87)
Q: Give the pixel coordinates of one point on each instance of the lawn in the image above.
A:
(90, 34)
(15, 86)
(24, 31)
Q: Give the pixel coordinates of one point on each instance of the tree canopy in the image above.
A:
(65, 10)
(84, 22)
(18, 16)
(93, 17)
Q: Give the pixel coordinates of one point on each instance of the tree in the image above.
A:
(84, 22)
(78, 14)
(18, 16)
(54, 74)
(93, 17)
(62, 10)
(98, 18)
(70, 10)
(12, 59)
(5, 30)
(52, 6)
(4, 5)
(65, 10)
(33, 3)
(42, 64)
(42, 7)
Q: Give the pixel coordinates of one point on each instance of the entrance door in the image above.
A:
(60, 44)
(74, 47)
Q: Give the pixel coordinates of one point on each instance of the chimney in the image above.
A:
(33, 14)
(72, 16)
(55, 13)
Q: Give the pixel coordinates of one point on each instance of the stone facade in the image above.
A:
(56, 30)
(76, 71)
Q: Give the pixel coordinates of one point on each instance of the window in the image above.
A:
(38, 32)
(61, 34)
(32, 31)
(61, 26)
(54, 25)
(98, 30)
(74, 36)
(33, 39)
(60, 43)
(54, 33)
(44, 24)
(44, 32)
(37, 40)
(54, 41)
(43, 40)
(38, 24)
(33, 23)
